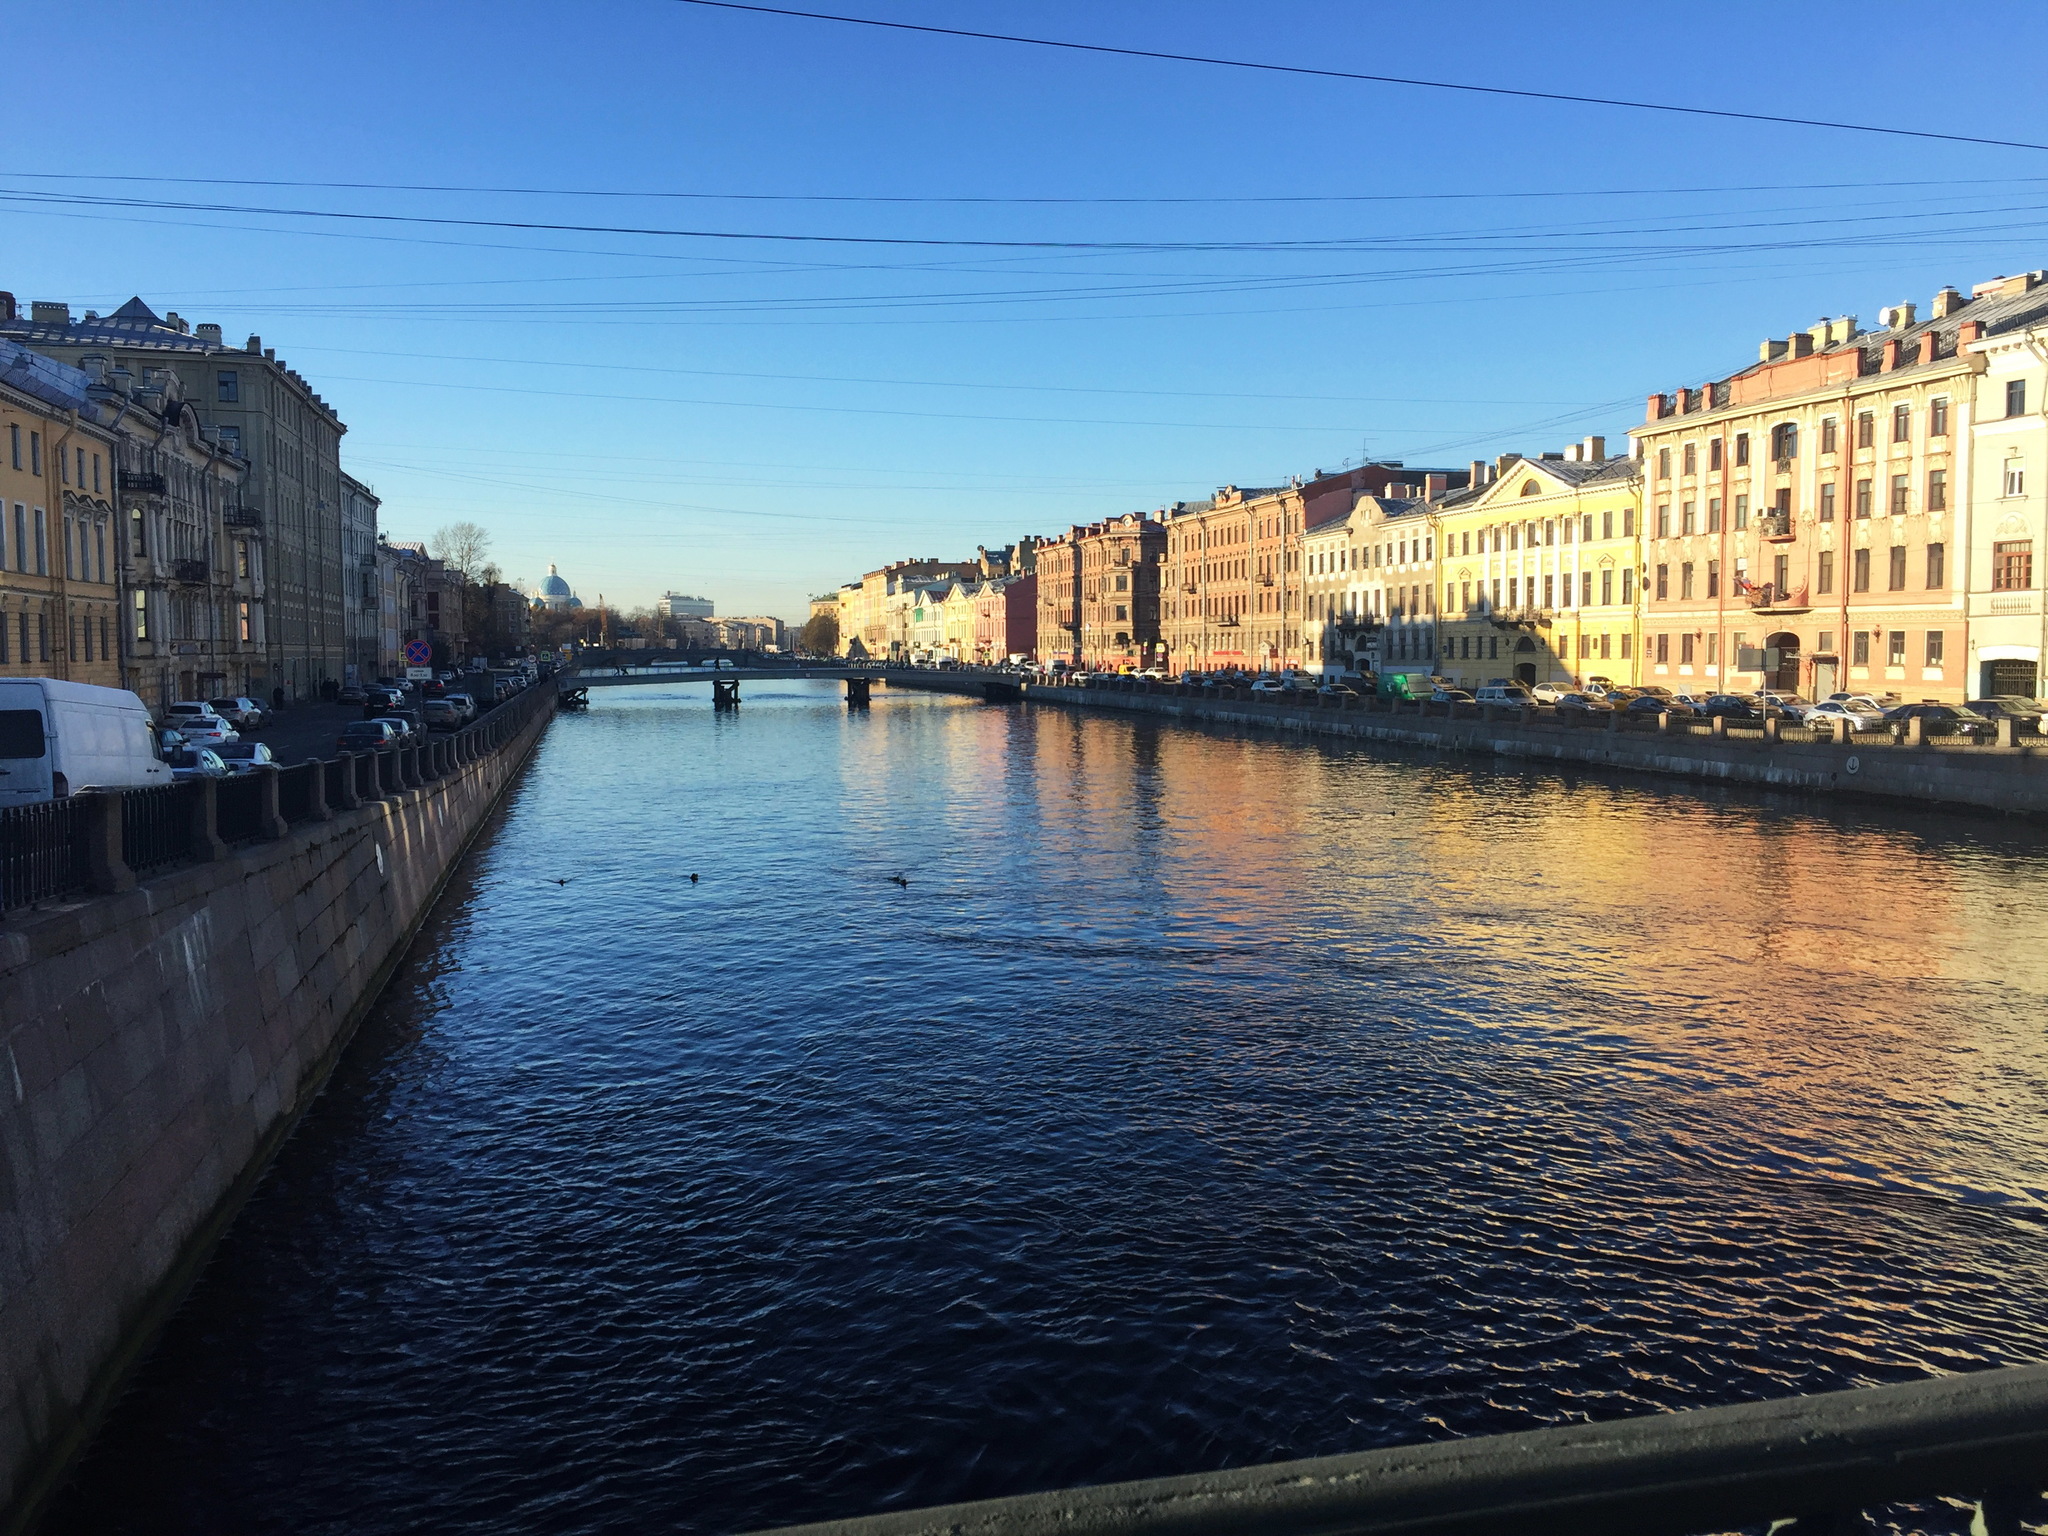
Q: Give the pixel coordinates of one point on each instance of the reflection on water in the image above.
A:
(1200, 1100)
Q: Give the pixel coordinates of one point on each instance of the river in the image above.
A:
(1201, 1099)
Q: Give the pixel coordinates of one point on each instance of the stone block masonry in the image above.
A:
(156, 1046)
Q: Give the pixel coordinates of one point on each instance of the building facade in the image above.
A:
(266, 415)
(1823, 495)
(681, 606)
(2008, 515)
(1059, 599)
(362, 605)
(1118, 592)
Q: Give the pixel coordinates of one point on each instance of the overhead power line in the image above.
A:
(1347, 74)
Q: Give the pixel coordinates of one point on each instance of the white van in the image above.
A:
(1504, 693)
(57, 738)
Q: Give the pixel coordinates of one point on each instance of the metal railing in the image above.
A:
(42, 852)
(48, 851)
(1814, 1463)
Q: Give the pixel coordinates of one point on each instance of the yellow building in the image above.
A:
(1541, 571)
(60, 543)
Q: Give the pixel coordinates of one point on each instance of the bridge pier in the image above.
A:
(725, 693)
(857, 692)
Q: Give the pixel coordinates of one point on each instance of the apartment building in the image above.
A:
(1207, 575)
(2008, 514)
(361, 615)
(1059, 599)
(1368, 584)
(1823, 497)
(1118, 561)
(1539, 570)
(872, 612)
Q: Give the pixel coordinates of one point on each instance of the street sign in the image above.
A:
(419, 674)
(419, 653)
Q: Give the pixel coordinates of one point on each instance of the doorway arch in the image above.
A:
(1786, 678)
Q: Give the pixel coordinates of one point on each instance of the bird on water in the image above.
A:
(899, 880)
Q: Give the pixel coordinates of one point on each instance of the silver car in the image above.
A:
(1861, 716)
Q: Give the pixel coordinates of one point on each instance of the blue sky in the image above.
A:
(761, 419)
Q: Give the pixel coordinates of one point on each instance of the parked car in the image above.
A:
(441, 715)
(1792, 704)
(366, 736)
(1583, 704)
(207, 730)
(1861, 715)
(1732, 706)
(1337, 691)
(198, 763)
(405, 727)
(57, 738)
(1156, 674)
(245, 756)
(2025, 713)
(1450, 696)
(1270, 685)
(242, 714)
(352, 693)
(462, 704)
(1549, 693)
(1941, 720)
(1650, 704)
(168, 740)
(1506, 693)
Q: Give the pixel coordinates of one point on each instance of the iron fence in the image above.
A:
(295, 791)
(156, 826)
(42, 852)
(238, 808)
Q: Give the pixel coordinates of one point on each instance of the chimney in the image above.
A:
(270, 354)
(1653, 406)
(255, 344)
(1596, 450)
(208, 333)
(1946, 303)
(1898, 317)
(1479, 468)
(1891, 355)
(1571, 453)
(1685, 401)
(176, 323)
(1434, 486)
(44, 313)
(1500, 465)
(7, 309)
(1770, 350)
(1800, 344)
(1967, 332)
(1927, 344)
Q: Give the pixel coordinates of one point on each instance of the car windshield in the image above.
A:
(236, 749)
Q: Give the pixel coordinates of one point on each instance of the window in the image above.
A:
(1937, 416)
(1824, 571)
(1663, 582)
(1937, 566)
(1741, 448)
(1606, 524)
(242, 558)
(1827, 503)
(2015, 397)
(96, 491)
(1713, 578)
(1741, 512)
(227, 386)
(1586, 528)
(1902, 423)
(1664, 463)
(1784, 501)
(42, 542)
(1628, 522)
(1901, 495)
(1687, 517)
(1624, 645)
(35, 453)
(1691, 459)
(1713, 453)
(1123, 612)
(1685, 581)
(1896, 652)
(1713, 649)
(1896, 575)
(1713, 514)
(1607, 586)
(1859, 571)
(141, 616)
(1863, 498)
(1663, 649)
(1628, 585)
(1663, 519)
(99, 546)
(1866, 429)
(1585, 589)
(2012, 565)
(14, 442)
(1685, 649)
(1830, 434)
(135, 531)
(2015, 477)
(1785, 440)
(21, 540)
(1937, 490)
(1781, 575)
(1859, 648)
(1934, 648)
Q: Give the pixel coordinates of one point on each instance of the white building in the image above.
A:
(682, 607)
(554, 594)
(2008, 514)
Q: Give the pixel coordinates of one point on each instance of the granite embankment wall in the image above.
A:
(158, 1046)
(2010, 779)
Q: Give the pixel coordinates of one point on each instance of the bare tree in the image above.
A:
(462, 546)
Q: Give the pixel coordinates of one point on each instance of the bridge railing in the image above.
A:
(1804, 1464)
(98, 843)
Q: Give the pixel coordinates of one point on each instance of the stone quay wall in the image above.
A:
(157, 1046)
(2007, 778)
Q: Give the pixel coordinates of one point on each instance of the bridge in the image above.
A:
(574, 687)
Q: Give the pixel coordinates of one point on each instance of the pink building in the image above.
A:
(1005, 617)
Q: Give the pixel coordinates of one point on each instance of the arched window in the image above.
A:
(1785, 440)
(1530, 488)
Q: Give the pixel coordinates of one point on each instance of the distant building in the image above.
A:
(682, 607)
(554, 594)
(362, 597)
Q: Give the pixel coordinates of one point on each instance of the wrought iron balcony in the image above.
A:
(1776, 527)
(145, 485)
(1524, 617)
(1768, 599)
(194, 571)
(242, 517)
(1813, 1462)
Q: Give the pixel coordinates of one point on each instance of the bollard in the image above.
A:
(2008, 731)
(1664, 722)
(106, 868)
(270, 823)
(1771, 724)
(1614, 720)
(1718, 727)
(1916, 732)
(351, 794)
(316, 791)
(1841, 732)
(206, 846)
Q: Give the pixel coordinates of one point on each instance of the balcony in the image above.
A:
(1767, 599)
(146, 485)
(242, 517)
(1525, 617)
(1265, 581)
(191, 571)
(1776, 527)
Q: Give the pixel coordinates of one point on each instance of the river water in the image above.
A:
(1202, 1099)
